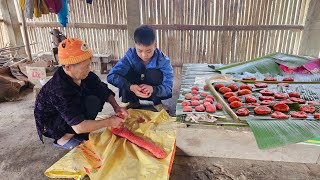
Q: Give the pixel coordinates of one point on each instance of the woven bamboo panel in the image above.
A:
(221, 41)
(189, 31)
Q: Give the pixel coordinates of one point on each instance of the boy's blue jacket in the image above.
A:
(131, 60)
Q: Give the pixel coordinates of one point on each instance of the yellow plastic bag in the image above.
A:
(106, 156)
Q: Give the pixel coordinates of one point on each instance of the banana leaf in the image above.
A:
(277, 133)
(265, 64)
(272, 133)
(314, 141)
(290, 61)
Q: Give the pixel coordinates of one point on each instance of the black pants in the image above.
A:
(152, 77)
(92, 106)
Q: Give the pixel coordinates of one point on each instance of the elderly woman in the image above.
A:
(69, 102)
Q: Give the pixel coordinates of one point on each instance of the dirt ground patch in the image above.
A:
(238, 169)
(23, 156)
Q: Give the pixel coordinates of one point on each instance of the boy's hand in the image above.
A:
(115, 122)
(138, 91)
(147, 89)
(122, 112)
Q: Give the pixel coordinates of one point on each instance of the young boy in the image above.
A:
(144, 73)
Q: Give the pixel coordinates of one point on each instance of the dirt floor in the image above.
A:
(23, 156)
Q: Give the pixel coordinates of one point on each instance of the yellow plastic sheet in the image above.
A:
(106, 156)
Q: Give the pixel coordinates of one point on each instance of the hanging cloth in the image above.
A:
(28, 7)
(54, 5)
(40, 7)
(21, 2)
(63, 14)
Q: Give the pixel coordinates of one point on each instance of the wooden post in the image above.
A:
(12, 26)
(310, 42)
(133, 18)
(25, 35)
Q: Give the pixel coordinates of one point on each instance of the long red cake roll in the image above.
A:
(150, 146)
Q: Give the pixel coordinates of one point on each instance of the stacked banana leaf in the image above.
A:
(267, 64)
(271, 133)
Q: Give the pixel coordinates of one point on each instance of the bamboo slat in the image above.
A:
(4, 38)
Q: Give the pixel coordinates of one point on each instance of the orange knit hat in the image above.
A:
(73, 51)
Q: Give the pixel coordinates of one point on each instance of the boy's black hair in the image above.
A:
(144, 35)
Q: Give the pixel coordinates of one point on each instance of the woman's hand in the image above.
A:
(122, 112)
(115, 122)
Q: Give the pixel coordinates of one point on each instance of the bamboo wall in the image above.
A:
(189, 31)
(4, 41)
(226, 44)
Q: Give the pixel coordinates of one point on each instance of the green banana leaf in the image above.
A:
(290, 61)
(266, 64)
(277, 133)
(314, 141)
